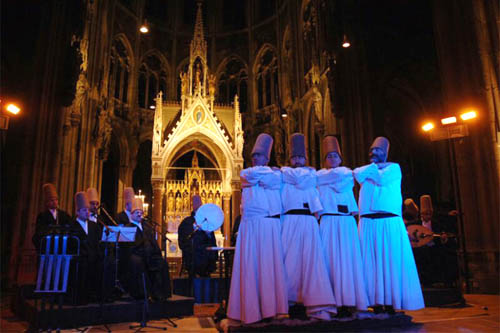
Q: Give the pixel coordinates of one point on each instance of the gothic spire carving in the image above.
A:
(198, 44)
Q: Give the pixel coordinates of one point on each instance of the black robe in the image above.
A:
(203, 262)
(88, 276)
(144, 256)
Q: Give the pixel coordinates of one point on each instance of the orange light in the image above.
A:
(468, 115)
(345, 42)
(449, 120)
(144, 29)
(428, 126)
(12, 108)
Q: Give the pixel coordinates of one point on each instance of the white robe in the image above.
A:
(340, 238)
(258, 283)
(390, 271)
(308, 280)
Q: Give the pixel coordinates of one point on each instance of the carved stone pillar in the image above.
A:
(156, 215)
(236, 201)
(226, 201)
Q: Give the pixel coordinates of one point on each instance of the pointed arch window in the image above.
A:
(119, 68)
(230, 83)
(152, 78)
(267, 79)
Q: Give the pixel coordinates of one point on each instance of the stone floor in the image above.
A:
(480, 315)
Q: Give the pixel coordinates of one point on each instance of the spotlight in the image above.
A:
(428, 126)
(468, 115)
(449, 120)
(345, 42)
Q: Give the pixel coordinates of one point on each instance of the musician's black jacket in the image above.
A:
(44, 220)
(144, 256)
(204, 261)
(122, 218)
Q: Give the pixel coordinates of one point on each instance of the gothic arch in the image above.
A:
(163, 59)
(228, 59)
(128, 47)
(263, 49)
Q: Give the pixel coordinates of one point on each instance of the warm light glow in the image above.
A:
(345, 42)
(12, 108)
(449, 120)
(428, 126)
(468, 115)
(284, 115)
(152, 107)
(144, 29)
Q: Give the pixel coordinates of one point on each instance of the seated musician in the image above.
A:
(52, 215)
(145, 259)
(88, 281)
(196, 260)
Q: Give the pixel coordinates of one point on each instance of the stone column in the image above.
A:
(226, 201)
(156, 214)
(236, 186)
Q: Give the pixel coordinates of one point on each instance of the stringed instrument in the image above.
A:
(420, 235)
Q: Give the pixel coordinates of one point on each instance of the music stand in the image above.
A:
(145, 312)
(53, 271)
(118, 235)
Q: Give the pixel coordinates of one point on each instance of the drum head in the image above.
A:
(209, 217)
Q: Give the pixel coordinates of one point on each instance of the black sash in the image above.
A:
(379, 215)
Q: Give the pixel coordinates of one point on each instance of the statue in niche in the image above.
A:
(197, 78)
(211, 197)
(178, 203)
(218, 200)
(186, 202)
(184, 83)
(203, 197)
(170, 203)
(211, 85)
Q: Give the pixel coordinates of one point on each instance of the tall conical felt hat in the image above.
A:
(426, 204)
(381, 143)
(331, 144)
(297, 145)
(410, 207)
(128, 194)
(263, 145)
(137, 204)
(81, 200)
(92, 194)
(49, 192)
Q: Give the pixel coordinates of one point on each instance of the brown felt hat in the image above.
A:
(81, 200)
(137, 204)
(382, 143)
(297, 145)
(128, 194)
(263, 145)
(410, 207)
(331, 144)
(49, 192)
(426, 204)
(92, 194)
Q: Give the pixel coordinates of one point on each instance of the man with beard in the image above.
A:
(258, 284)
(145, 260)
(125, 216)
(308, 282)
(390, 270)
(51, 216)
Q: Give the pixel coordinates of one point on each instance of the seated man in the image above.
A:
(51, 216)
(195, 242)
(145, 260)
(88, 281)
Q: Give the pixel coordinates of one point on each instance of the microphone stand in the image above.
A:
(117, 247)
